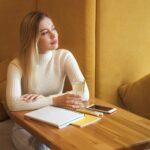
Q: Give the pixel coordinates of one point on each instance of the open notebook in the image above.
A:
(56, 116)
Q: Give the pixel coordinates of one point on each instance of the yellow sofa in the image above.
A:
(110, 39)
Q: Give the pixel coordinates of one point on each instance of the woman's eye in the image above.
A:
(44, 33)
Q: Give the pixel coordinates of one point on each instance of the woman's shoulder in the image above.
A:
(63, 53)
(15, 63)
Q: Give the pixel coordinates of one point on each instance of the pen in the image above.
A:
(91, 112)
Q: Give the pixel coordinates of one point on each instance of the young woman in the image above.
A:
(36, 77)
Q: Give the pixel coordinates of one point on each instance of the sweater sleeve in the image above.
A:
(74, 73)
(14, 98)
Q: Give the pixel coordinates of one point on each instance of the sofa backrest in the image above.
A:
(110, 39)
(122, 45)
(11, 15)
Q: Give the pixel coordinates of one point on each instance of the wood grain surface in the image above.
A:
(120, 129)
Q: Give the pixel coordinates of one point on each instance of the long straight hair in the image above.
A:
(29, 31)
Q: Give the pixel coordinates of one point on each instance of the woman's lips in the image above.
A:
(54, 42)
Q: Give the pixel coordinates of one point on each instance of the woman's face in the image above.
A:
(48, 36)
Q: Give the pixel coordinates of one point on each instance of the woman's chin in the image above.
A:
(54, 47)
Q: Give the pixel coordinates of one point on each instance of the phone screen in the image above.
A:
(98, 107)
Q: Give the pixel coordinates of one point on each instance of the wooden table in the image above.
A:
(118, 130)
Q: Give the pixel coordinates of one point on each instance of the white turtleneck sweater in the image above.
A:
(51, 71)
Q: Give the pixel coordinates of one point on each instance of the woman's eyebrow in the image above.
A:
(52, 26)
(43, 30)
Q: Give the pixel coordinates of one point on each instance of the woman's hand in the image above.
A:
(31, 97)
(68, 100)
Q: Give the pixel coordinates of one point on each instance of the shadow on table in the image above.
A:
(145, 145)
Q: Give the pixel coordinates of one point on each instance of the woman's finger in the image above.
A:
(31, 97)
(72, 106)
(37, 97)
(74, 96)
(73, 101)
(34, 97)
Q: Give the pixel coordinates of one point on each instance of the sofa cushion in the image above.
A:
(136, 96)
(3, 74)
(3, 69)
(3, 114)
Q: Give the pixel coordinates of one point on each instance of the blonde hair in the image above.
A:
(29, 30)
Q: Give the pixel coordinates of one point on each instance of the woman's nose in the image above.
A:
(52, 35)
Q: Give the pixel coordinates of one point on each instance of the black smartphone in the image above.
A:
(100, 108)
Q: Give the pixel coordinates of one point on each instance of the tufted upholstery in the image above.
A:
(136, 96)
(10, 15)
(76, 31)
(122, 45)
(110, 39)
